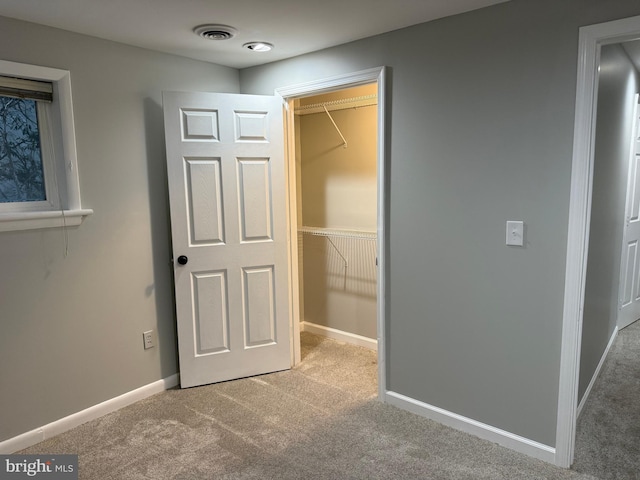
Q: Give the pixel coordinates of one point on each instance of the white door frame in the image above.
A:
(317, 87)
(591, 38)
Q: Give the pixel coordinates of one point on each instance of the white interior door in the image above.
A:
(225, 165)
(630, 269)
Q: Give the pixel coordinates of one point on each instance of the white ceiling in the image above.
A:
(293, 26)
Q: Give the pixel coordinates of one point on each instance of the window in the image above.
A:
(39, 185)
(23, 132)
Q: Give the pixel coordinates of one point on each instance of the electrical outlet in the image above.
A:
(148, 339)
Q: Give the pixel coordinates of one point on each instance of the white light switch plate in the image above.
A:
(515, 233)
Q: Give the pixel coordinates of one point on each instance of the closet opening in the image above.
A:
(335, 179)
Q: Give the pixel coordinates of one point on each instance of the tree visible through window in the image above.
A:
(21, 168)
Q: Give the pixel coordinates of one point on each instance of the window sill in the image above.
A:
(50, 219)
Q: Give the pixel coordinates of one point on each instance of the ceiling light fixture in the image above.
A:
(258, 46)
(215, 32)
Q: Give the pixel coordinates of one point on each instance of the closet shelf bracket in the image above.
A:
(346, 263)
(344, 140)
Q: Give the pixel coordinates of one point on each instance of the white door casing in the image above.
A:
(225, 167)
(630, 266)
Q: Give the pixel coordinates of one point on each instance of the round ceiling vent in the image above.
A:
(215, 32)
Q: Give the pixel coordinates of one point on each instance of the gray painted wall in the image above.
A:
(619, 82)
(71, 328)
(481, 128)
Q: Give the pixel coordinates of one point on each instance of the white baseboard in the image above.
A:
(341, 335)
(597, 372)
(473, 427)
(37, 435)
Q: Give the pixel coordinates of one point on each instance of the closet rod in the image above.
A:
(344, 140)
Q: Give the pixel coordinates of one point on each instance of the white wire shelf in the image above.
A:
(338, 233)
(342, 104)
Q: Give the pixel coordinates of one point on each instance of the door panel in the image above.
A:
(204, 191)
(210, 312)
(630, 270)
(255, 199)
(225, 166)
(199, 125)
(634, 195)
(259, 303)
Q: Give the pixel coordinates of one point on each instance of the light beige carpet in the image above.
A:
(608, 436)
(318, 421)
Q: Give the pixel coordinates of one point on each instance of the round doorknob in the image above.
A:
(182, 259)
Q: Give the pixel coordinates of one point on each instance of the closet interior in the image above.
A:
(336, 189)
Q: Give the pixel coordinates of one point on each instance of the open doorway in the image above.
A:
(592, 39)
(336, 198)
(375, 77)
(610, 362)
(612, 299)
